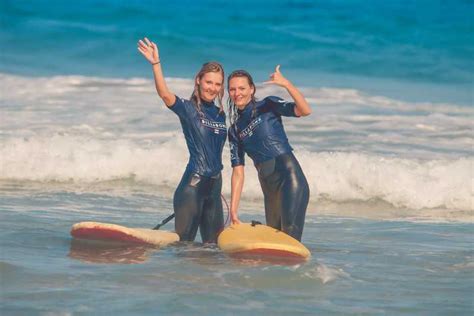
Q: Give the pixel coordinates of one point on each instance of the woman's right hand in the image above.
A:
(149, 50)
(235, 220)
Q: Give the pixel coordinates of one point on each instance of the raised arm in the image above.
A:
(237, 183)
(149, 50)
(302, 107)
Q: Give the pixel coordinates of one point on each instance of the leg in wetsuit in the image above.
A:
(197, 203)
(286, 194)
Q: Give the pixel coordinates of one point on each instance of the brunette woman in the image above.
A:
(257, 130)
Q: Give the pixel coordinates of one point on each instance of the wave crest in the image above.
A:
(335, 176)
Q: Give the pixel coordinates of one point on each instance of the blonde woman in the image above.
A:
(197, 200)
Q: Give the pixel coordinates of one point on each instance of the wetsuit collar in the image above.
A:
(246, 108)
(207, 104)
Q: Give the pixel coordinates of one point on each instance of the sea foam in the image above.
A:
(335, 176)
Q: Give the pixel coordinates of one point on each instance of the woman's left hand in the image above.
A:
(277, 78)
(302, 107)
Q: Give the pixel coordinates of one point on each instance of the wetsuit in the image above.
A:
(258, 131)
(197, 200)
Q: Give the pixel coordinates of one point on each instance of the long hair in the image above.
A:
(233, 114)
(211, 66)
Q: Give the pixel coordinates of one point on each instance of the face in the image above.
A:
(210, 84)
(240, 91)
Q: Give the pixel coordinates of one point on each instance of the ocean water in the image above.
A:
(388, 153)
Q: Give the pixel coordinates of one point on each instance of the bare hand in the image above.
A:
(235, 220)
(277, 78)
(149, 50)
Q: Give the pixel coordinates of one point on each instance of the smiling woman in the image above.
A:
(257, 129)
(197, 200)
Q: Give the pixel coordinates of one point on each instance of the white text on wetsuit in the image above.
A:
(248, 131)
(214, 125)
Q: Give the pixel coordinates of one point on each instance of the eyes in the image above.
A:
(233, 89)
(211, 83)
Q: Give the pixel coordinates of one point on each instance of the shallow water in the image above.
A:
(357, 265)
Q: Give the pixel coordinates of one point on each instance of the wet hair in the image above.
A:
(211, 66)
(233, 114)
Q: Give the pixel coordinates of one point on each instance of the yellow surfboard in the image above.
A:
(260, 240)
(122, 234)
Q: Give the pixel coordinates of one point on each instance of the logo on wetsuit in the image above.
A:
(233, 155)
(248, 131)
(216, 126)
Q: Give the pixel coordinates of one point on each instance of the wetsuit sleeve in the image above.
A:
(179, 107)
(236, 148)
(280, 106)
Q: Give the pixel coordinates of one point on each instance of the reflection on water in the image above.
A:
(258, 260)
(94, 251)
(107, 252)
(202, 254)
(210, 255)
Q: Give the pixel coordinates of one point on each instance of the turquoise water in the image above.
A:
(387, 153)
(357, 266)
(424, 48)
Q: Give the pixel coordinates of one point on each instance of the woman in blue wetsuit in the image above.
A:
(257, 129)
(197, 200)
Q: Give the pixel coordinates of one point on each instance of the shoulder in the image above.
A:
(233, 128)
(280, 106)
(232, 131)
(181, 101)
(273, 100)
(220, 112)
(182, 106)
(268, 104)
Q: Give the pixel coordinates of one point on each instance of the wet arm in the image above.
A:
(237, 183)
(302, 107)
(150, 51)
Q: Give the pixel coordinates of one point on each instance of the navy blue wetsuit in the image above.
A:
(197, 200)
(259, 132)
